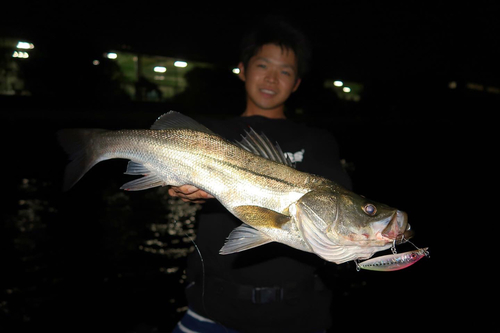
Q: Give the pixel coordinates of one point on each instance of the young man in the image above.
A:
(272, 288)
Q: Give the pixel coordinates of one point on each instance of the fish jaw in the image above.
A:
(327, 245)
(398, 229)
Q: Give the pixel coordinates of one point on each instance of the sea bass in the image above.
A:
(253, 179)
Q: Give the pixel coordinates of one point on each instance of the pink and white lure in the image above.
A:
(393, 262)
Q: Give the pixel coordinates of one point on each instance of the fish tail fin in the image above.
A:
(77, 144)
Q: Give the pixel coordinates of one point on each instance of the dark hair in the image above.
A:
(279, 32)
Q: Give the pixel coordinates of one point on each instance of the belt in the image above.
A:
(263, 294)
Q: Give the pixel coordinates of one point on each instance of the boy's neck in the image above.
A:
(277, 113)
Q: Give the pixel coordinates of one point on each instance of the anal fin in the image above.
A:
(134, 168)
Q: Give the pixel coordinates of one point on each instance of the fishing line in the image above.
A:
(403, 239)
(202, 267)
(413, 244)
(202, 271)
(203, 275)
(418, 248)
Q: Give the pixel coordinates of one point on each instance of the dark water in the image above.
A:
(100, 258)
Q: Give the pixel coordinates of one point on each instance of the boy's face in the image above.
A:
(270, 77)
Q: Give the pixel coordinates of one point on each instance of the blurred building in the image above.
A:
(348, 90)
(152, 78)
(63, 71)
(12, 53)
(142, 77)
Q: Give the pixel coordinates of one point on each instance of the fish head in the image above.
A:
(340, 225)
(368, 222)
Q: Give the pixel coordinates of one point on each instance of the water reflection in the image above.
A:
(100, 257)
(172, 236)
(55, 269)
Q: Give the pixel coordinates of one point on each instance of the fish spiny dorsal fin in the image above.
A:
(173, 119)
(260, 145)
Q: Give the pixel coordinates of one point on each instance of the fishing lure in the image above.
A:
(393, 262)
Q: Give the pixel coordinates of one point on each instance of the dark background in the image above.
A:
(73, 261)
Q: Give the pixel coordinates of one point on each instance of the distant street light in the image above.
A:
(180, 64)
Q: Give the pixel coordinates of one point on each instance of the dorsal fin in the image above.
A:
(173, 119)
(260, 145)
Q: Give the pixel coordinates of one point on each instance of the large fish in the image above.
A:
(252, 179)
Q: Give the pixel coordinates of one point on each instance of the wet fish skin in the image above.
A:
(275, 201)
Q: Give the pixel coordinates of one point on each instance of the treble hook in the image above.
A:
(356, 261)
(393, 247)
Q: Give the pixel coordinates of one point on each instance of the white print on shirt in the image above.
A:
(296, 157)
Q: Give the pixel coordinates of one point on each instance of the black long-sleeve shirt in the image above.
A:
(314, 151)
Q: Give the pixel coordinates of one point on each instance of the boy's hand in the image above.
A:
(189, 193)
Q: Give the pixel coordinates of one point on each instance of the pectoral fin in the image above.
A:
(260, 217)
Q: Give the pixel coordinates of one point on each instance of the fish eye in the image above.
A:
(370, 209)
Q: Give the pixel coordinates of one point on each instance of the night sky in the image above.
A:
(358, 39)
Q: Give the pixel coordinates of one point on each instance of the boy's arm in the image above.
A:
(189, 193)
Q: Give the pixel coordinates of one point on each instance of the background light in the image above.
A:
(236, 70)
(112, 55)
(20, 54)
(346, 89)
(338, 83)
(181, 64)
(25, 45)
(160, 69)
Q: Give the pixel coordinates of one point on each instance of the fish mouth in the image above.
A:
(398, 229)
